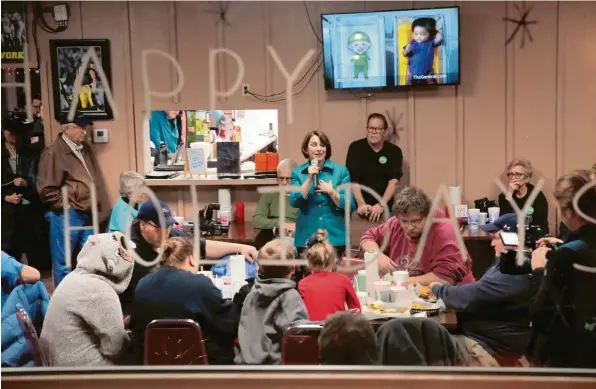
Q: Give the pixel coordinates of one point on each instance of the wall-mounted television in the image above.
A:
(391, 49)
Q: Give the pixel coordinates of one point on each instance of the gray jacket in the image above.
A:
(269, 309)
(84, 324)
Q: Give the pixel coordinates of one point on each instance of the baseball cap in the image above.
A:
(149, 213)
(507, 222)
(78, 119)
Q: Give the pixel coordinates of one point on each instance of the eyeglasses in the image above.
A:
(412, 223)
(515, 175)
(375, 130)
(283, 179)
(152, 224)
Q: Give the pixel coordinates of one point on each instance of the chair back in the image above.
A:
(31, 337)
(174, 342)
(300, 344)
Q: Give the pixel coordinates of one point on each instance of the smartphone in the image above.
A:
(509, 238)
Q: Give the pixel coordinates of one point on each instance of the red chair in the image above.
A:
(300, 344)
(31, 336)
(174, 342)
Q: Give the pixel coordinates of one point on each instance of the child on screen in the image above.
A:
(421, 51)
(325, 292)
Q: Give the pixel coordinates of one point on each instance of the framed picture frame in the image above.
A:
(66, 57)
(14, 32)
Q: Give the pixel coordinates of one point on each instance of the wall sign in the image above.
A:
(14, 33)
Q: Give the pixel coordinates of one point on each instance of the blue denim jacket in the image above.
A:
(317, 210)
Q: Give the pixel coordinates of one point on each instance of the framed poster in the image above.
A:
(14, 33)
(66, 59)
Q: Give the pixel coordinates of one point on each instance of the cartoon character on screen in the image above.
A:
(359, 43)
(421, 51)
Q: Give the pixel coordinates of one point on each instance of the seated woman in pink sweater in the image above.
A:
(441, 257)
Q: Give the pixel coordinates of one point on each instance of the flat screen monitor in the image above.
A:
(391, 49)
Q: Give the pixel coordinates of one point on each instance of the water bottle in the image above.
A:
(240, 212)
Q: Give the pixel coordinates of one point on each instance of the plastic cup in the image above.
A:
(382, 291)
(493, 214)
(361, 281)
(474, 218)
(400, 278)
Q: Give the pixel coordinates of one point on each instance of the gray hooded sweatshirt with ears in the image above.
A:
(84, 324)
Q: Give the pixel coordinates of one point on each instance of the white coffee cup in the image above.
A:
(382, 291)
(400, 278)
(483, 216)
(493, 214)
(363, 298)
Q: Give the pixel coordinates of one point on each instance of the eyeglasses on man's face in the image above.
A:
(413, 222)
(283, 179)
(375, 130)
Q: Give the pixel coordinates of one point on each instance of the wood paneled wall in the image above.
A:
(536, 102)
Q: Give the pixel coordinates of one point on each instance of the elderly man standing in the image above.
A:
(68, 162)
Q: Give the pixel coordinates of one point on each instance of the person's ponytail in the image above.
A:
(319, 252)
(176, 251)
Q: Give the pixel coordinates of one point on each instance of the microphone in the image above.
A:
(315, 177)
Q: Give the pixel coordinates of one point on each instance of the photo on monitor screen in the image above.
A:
(391, 49)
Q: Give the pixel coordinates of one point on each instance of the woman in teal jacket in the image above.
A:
(164, 127)
(324, 206)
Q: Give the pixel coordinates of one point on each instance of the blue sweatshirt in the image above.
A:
(494, 311)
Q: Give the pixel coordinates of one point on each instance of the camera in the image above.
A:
(208, 224)
(508, 262)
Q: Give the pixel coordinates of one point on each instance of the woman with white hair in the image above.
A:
(266, 214)
(519, 173)
(123, 213)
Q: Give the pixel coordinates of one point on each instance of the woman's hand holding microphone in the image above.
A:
(313, 170)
